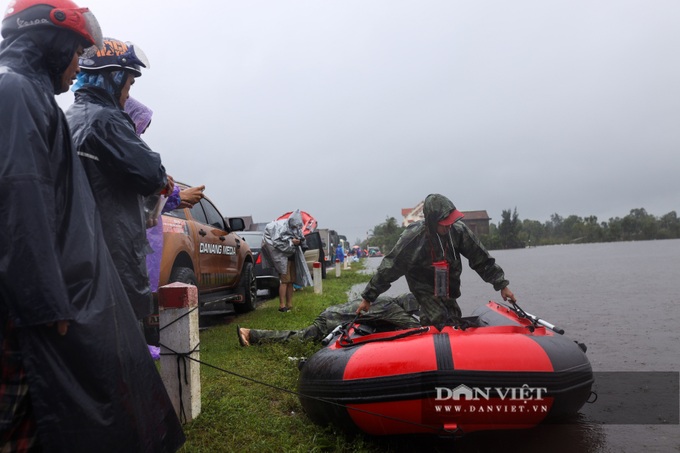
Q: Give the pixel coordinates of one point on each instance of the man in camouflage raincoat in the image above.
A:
(439, 238)
(387, 313)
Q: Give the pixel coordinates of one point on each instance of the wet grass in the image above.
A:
(248, 395)
(249, 400)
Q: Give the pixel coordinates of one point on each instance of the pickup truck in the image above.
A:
(202, 248)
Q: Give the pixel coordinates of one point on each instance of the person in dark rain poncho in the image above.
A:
(120, 166)
(75, 372)
(428, 254)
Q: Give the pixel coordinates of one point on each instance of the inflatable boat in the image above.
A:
(502, 368)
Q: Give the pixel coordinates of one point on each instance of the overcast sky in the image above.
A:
(352, 110)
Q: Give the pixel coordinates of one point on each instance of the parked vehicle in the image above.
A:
(267, 278)
(374, 251)
(315, 252)
(329, 241)
(201, 248)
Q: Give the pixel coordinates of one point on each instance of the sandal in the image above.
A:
(283, 309)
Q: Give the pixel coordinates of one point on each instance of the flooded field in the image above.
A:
(622, 300)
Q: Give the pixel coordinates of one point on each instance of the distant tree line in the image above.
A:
(384, 235)
(512, 232)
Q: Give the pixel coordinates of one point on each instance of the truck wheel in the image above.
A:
(249, 288)
(183, 275)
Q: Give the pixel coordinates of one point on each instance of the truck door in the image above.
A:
(218, 265)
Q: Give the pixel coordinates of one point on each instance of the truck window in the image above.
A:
(198, 214)
(179, 213)
(213, 215)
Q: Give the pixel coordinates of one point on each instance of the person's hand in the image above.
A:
(363, 306)
(296, 241)
(191, 196)
(506, 294)
(170, 186)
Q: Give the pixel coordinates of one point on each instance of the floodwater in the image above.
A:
(621, 299)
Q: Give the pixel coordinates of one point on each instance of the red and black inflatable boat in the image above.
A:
(509, 370)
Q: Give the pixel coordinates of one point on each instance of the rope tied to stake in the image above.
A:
(181, 363)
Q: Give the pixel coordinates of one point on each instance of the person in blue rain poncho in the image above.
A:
(340, 254)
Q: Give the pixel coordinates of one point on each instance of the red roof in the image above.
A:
(476, 215)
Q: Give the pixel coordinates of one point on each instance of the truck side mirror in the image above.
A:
(236, 224)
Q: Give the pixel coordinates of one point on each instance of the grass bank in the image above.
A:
(254, 407)
(249, 400)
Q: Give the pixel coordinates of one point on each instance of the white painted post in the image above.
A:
(318, 285)
(346, 261)
(337, 267)
(178, 304)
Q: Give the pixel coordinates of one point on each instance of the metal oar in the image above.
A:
(535, 319)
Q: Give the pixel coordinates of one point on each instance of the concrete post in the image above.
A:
(178, 304)
(346, 262)
(337, 267)
(318, 285)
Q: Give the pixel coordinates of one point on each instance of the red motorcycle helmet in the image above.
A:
(26, 15)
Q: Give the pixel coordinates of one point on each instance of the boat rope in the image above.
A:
(344, 331)
(345, 341)
(182, 357)
(187, 356)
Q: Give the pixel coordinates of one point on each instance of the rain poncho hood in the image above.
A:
(122, 170)
(277, 247)
(42, 49)
(435, 208)
(95, 388)
(419, 247)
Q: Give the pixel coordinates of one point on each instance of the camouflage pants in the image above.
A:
(382, 315)
(438, 311)
(264, 336)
